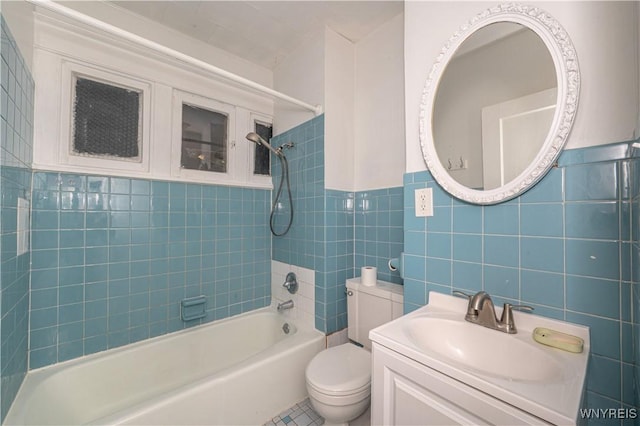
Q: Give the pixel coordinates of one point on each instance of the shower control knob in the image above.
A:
(348, 292)
(291, 283)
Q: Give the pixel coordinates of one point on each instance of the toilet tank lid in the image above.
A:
(382, 289)
(340, 369)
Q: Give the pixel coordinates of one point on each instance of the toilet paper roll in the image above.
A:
(369, 275)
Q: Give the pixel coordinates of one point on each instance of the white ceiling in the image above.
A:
(264, 32)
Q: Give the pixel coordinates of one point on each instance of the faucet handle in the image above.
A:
(507, 316)
(525, 308)
(462, 294)
(291, 283)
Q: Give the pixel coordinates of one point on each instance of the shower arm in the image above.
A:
(111, 29)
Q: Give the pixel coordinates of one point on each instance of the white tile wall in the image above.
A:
(303, 311)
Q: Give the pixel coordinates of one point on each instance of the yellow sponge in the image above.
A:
(559, 340)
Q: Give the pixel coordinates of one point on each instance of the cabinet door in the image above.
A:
(405, 392)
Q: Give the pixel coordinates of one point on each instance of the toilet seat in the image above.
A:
(341, 371)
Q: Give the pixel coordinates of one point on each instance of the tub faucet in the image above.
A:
(285, 305)
(481, 311)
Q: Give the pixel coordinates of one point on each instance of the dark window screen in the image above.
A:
(106, 120)
(261, 159)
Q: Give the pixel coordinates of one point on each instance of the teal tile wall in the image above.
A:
(113, 257)
(379, 230)
(564, 247)
(16, 140)
(303, 245)
(334, 232)
(362, 229)
(321, 235)
(635, 285)
(339, 260)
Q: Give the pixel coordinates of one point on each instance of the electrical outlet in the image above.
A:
(424, 202)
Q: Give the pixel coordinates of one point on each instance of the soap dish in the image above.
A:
(559, 340)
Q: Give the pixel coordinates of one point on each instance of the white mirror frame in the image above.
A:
(568, 76)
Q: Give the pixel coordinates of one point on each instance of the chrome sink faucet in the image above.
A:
(481, 311)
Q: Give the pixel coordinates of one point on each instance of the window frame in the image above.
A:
(70, 72)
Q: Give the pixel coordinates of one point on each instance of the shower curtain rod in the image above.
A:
(70, 13)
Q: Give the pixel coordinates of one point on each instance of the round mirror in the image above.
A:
(499, 104)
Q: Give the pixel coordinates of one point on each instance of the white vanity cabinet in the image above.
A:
(405, 392)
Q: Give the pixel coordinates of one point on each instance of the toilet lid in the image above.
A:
(341, 368)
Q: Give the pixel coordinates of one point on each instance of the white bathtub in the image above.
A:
(241, 370)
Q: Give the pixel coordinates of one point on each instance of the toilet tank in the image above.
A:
(371, 306)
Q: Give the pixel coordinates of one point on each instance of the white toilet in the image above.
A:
(339, 378)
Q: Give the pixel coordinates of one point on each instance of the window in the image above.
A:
(203, 142)
(258, 164)
(262, 155)
(106, 120)
(204, 139)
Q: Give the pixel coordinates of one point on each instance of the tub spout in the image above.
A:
(285, 305)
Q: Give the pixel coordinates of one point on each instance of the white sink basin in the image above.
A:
(544, 381)
(484, 350)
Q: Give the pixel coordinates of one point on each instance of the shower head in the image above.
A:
(255, 138)
(258, 140)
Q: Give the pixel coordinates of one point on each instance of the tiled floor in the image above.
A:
(301, 414)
